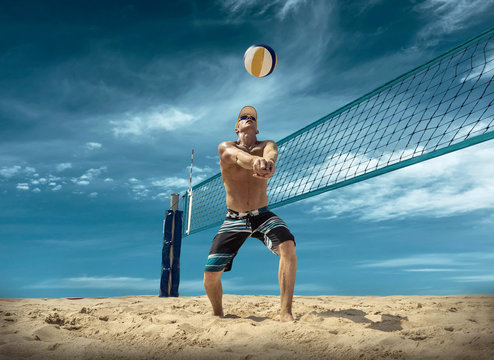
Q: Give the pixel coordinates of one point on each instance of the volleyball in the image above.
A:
(260, 60)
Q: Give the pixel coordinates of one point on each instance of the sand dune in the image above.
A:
(326, 327)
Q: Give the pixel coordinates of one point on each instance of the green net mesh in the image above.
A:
(441, 106)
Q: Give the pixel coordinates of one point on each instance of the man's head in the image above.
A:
(246, 118)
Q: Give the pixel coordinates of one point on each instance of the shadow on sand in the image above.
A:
(252, 317)
(388, 322)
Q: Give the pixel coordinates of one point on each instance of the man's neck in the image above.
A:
(247, 140)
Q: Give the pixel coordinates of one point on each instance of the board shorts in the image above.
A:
(261, 224)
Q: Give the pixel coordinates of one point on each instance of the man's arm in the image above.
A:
(270, 151)
(265, 167)
(230, 154)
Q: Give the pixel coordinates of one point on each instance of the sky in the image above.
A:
(102, 102)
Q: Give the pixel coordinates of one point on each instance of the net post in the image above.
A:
(174, 201)
(170, 255)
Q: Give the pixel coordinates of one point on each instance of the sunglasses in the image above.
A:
(247, 117)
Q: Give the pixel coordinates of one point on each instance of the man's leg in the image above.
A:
(212, 284)
(286, 277)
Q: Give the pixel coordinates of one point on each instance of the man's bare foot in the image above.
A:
(220, 314)
(286, 317)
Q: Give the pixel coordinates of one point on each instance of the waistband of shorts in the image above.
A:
(242, 215)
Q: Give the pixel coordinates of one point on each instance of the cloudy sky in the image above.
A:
(102, 102)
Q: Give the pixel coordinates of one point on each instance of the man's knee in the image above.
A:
(287, 249)
(212, 276)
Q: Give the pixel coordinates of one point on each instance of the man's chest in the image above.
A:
(256, 150)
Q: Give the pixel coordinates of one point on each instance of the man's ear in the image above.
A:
(236, 130)
(257, 131)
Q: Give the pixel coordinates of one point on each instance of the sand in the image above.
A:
(326, 327)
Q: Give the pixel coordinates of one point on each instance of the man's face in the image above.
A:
(246, 124)
(247, 119)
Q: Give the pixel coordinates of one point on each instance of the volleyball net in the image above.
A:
(439, 107)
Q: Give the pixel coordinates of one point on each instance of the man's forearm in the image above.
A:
(245, 159)
(270, 152)
(271, 155)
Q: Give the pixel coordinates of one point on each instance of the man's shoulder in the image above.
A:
(264, 143)
(234, 143)
(226, 144)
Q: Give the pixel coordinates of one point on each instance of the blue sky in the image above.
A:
(101, 105)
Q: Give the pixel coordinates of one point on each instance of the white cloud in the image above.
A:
(479, 127)
(11, 171)
(22, 186)
(8, 172)
(160, 188)
(140, 191)
(283, 7)
(429, 270)
(290, 5)
(93, 145)
(475, 278)
(158, 119)
(452, 184)
(415, 260)
(200, 174)
(450, 15)
(481, 70)
(452, 260)
(161, 196)
(93, 173)
(171, 182)
(89, 176)
(63, 166)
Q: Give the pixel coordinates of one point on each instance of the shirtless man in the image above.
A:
(246, 165)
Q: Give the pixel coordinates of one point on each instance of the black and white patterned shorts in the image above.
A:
(261, 224)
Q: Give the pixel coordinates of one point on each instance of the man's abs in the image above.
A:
(243, 191)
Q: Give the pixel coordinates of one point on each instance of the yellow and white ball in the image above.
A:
(260, 60)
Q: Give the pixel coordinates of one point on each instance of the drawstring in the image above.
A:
(247, 221)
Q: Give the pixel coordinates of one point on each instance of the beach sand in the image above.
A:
(326, 327)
